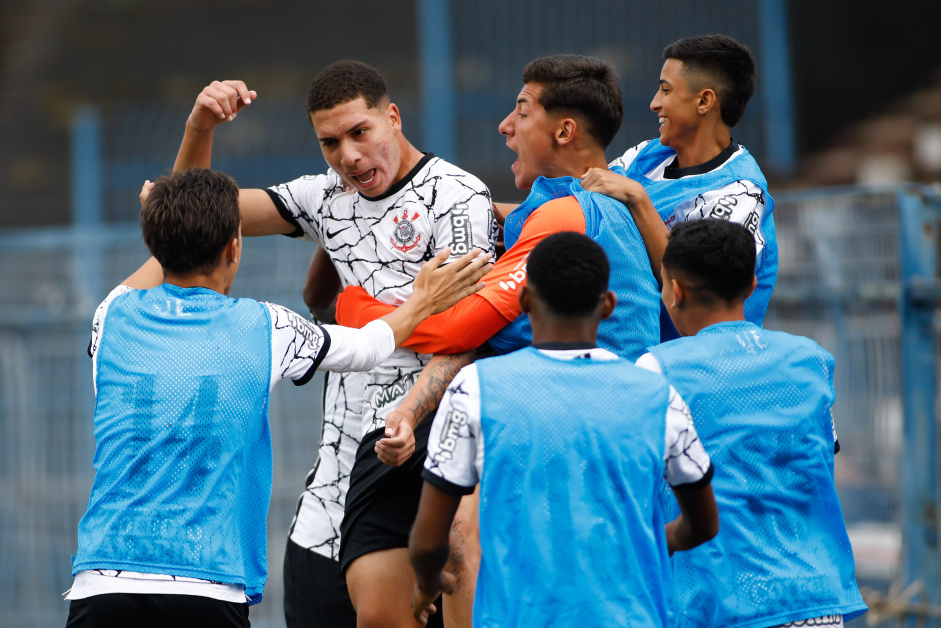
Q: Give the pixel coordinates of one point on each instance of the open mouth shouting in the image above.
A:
(364, 178)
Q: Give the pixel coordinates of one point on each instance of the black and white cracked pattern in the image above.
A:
(740, 201)
(834, 621)
(316, 524)
(381, 244)
(686, 460)
(456, 455)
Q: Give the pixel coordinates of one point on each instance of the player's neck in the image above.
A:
(566, 331)
(410, 158)
(214, 281)
(695, 320)
(575, 162)
(705, 145)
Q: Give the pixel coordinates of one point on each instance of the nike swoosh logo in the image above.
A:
(331, 235)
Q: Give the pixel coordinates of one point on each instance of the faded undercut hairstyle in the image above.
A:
(345, 81)
(189, 218)
(714, 257)
(568, 271)
(580, 86)
(719, 63)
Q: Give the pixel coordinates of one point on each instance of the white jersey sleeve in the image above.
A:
(741, 201)
(97, 329)
(299, 347)
(464, 215)
(628, 157)
(455, 459)
(686, 460)
(302, 200)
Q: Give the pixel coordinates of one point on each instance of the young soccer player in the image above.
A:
(761, 402)
(405, 206)
(695, 169)
(175, 527)
(569, 443)
(565, 115)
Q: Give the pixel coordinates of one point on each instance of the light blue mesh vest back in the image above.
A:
(571, 530)
(761, 401)
(635, 324)
(666, 195)
(183, 456)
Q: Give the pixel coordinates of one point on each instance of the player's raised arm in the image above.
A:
(321, 285)
(219, 102)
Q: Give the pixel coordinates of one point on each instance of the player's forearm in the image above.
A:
(426, 393)
(461, 328)
(428, 562)
(195, 149)
(405, 318)
(652, 230)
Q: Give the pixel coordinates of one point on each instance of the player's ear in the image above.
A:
(679, 293)
(707, 102)
(525, 299)
(565, 131)
(754, 284)
(230, 255)
(608, 303)
(395, 118)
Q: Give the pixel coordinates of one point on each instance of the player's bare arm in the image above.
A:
(633, 194)
(698, 521)
(220, 102)
(428, 548)
(419, 403)
(321, 286)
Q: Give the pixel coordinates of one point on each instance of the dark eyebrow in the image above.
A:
(346, 131)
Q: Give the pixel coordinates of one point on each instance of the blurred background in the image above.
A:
(94, 94)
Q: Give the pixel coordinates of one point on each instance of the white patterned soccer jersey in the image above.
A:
(456, 448)
(741, 201)
(316, 524)
(381, 242)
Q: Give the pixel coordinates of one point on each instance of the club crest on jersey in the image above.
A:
(405, 236)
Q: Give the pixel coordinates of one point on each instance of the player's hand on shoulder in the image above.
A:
(603, 181)
(218, 102)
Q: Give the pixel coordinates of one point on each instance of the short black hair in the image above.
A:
(721, 64)
(583, 86)
(189, 218)
(714, 257)
(345, 81)
(568, 271)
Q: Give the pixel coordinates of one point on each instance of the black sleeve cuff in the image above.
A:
(306, 377)
(836, 446)
(283, 210)
(448, 487)
(701, 482)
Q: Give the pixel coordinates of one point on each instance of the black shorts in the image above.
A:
(315, 593)
(382, 501)
(155, 610)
